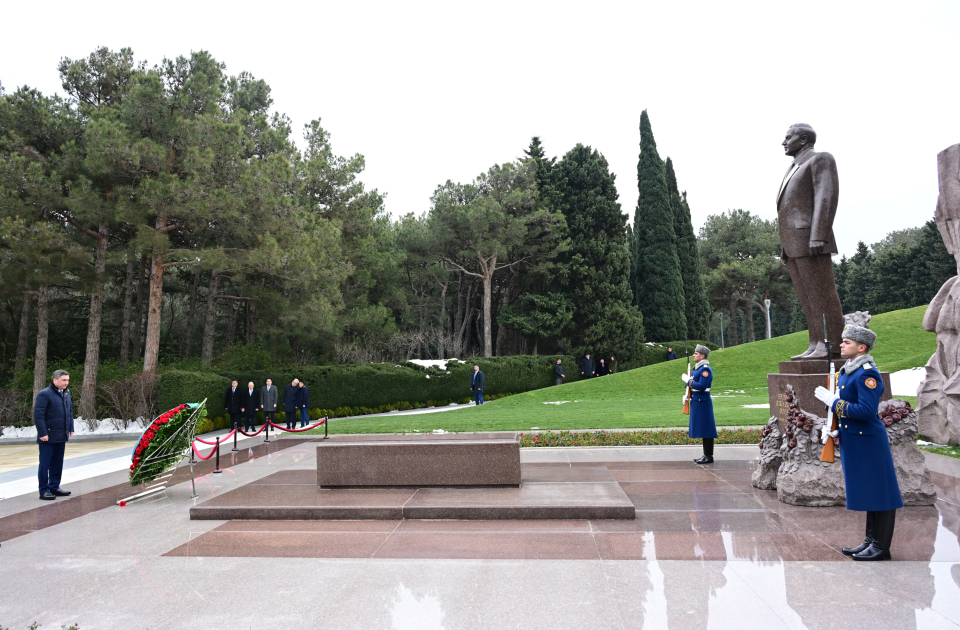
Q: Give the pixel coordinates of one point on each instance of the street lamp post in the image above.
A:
(767, 303)
(721, 330)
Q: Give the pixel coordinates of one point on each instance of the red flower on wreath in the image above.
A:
(139, 449)
(132, 466)
(150, 433)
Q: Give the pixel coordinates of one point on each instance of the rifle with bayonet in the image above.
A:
(830, 429)
(686, 399)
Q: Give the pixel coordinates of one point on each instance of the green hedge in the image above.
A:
(377, 387)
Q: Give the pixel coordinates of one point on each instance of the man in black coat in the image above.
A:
(231, 402)
(586, 367)
(476, 385)
(53, 417)
(303, 402)
(249, 401)
(558, 374)
(671, 355)
(290, 409)
(269, 397)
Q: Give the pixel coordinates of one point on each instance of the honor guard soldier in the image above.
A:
(702, 424)
(868, 472)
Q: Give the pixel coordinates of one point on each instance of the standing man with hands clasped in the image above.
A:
(53, 417)
(702, 423)
(290, 408)
(476, 385)
(558, 374)
(868, 473)
(269, 397)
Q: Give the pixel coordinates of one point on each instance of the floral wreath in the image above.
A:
(163, 442)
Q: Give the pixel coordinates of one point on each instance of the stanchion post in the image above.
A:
(326, 422)
(235, 431)
(217, 470)
(266, 426)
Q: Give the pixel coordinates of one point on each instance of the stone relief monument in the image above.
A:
(806, 208)
(938, 397)
(802, 479)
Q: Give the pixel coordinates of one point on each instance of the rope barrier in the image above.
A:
(253, 434)
(209, 455)
(222, 440)
(314, 426)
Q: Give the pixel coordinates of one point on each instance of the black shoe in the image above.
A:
(706, 459)
(47, 496)
(872, 553)
(850, 551)
(60, 493)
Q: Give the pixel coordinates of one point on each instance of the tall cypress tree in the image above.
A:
(658, 289)
(696, 305)
(597, 265)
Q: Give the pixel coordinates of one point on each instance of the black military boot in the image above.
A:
(871, 520)
(879, 549)
(707, 452)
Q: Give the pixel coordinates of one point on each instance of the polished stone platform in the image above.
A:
(582, 493)
(416, 461)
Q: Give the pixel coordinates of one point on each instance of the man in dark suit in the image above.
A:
(231, 402)
(476, 385)
(671, 355)
(249, 401)
(586, 367)
(303, 402)
(53, 417)
(290, 409)
(269, 397)
(806, 207)
(558, 373)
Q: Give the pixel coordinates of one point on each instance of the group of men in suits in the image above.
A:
(243, 404)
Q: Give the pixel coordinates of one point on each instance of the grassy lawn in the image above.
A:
(650, 396)
(949, 451)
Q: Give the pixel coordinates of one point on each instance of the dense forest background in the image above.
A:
(164, 217)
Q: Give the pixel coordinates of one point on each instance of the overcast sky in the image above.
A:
(430, 91)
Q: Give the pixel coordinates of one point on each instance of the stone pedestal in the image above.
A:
(804, 377)
(466, 459)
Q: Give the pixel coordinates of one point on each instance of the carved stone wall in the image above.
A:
(765, 476)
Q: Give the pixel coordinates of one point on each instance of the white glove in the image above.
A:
(685, 377)
(684, 399)
(826, 434)
(823, 394)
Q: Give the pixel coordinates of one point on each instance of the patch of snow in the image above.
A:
(439, 363)
(534, 428)
(80, 427)
(556, 402)
(907, 382)
(757, 406)
(438, 431)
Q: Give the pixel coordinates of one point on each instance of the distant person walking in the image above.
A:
(671, 355)
(476, 385)
(53, 417)
(303, 401)
(586, 367)
(249, 401)
(603, 369)
(290, 409)
(269, 397)
(231, 402)
(558, 374)
(702, 423)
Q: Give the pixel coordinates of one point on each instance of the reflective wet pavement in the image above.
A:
(706, 551)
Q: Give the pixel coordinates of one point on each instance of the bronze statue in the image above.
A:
(806, 207)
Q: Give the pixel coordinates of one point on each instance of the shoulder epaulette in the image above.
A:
(868, 366)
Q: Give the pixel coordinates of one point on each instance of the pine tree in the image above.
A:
(658, 288)
(696, 305)
(595, 271)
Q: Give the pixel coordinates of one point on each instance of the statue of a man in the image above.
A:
(806, 207)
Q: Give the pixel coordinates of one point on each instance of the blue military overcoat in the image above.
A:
(868, 472)
(702, 424)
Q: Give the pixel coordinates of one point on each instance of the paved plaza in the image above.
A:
(706, 551)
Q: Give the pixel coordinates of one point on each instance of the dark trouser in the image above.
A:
(51, 465)
(291, 418)
(304, 417)
(250, 421)
(268, 416)
(708, 447)
(478, 397)
(880, 528)
(559, 380)
(817, 271)
(234, 420)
